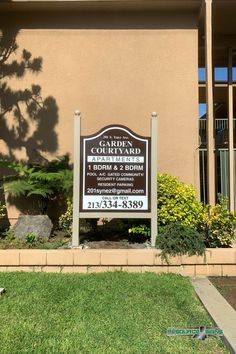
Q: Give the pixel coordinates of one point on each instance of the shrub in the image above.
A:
(140, 230)
(47, 181)
(8, 235)
(218, 224)
(177, 239)
(139, 233)
(2, 210)
(177, 201)
(30, 238)
(65, 220)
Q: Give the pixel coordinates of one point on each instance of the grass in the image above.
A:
(102, 313)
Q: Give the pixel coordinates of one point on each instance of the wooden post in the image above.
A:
(210, 105)
(76, 180)
(231, 130)
(154, 231)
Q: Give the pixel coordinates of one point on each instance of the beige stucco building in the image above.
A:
(117, 61)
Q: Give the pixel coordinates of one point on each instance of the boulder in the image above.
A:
(39, 225)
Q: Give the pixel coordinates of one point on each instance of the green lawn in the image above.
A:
(100, 313)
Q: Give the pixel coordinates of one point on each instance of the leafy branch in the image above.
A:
(47, 181)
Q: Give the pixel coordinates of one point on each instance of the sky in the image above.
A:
(201, 109)
(220, 74)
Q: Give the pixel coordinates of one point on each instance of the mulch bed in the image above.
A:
(227, 287)
(113, 244)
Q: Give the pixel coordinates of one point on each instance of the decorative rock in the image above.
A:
(39, 225)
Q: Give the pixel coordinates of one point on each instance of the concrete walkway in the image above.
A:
(219, 309)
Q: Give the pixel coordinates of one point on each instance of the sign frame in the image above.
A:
(77, 213)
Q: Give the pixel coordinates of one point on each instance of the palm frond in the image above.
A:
(45, 176)
(43, 192)
(18, 187)
(20, 167)
(66, 180)
(55, 177)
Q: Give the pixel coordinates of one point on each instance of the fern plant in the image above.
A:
(46, 181)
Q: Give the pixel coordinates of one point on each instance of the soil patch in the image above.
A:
(227, 287)
(111, 234)
(113, 244)
(60, 239)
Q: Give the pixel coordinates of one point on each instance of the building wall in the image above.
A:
(118, 68)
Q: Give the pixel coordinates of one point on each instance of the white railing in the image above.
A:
(220, 124)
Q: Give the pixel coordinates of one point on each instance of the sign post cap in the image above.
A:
(154, 114)
(77, 113)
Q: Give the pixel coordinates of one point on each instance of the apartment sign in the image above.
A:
(115, 165)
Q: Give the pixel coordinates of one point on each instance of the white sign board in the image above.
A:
(115, 171)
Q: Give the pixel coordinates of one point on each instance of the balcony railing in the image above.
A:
(221, 132)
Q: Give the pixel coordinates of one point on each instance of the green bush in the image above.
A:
(218, 224)
(65, 220)
(8, 235)
(177, 201)
(47, 181)
(139, 233)
(2, 210)
(177, 239)
(30, 238)
(140, 230)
